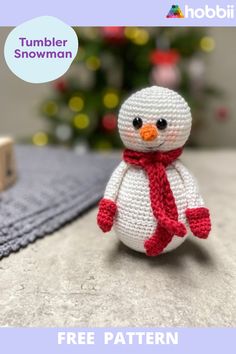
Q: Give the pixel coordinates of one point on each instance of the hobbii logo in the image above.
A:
(200, 12)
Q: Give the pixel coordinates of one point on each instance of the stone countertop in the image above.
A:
(81, 277)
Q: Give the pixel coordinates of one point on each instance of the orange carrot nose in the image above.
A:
(148, 132)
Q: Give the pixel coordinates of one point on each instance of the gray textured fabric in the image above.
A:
(54, 187)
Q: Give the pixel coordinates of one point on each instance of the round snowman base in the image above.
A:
(138, 245)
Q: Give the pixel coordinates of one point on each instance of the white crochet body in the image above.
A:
(135, 222)
(129, 187)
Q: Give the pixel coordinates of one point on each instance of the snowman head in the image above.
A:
(154, 118)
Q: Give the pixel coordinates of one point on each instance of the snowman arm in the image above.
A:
(107, 206)
(197, 214)
(194, 198)
(113, 185)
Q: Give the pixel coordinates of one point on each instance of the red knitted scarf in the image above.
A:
(162, 200)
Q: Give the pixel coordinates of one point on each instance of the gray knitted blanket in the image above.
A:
(54, 186)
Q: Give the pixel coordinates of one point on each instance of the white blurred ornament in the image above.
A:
(108, 63)
(81, 147)
(196, 69)
(84, 77)
(63, 132)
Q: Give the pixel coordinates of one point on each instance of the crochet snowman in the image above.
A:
(151, 198)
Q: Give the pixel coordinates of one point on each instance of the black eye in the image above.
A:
(137, 122)
(161, 124)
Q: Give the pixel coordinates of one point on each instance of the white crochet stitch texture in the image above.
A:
(151, 104)
(129, 185)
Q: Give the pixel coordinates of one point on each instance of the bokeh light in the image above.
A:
(40, 139)
(93, 63)
(137, 35)
(207, 44)
(50, 108)
(131, 32)
(81, 121)
(110, 100)
(63, 132)
(76, 103)
(103, 144)
(109, 122)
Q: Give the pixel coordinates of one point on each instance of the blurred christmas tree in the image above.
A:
(112, 62)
